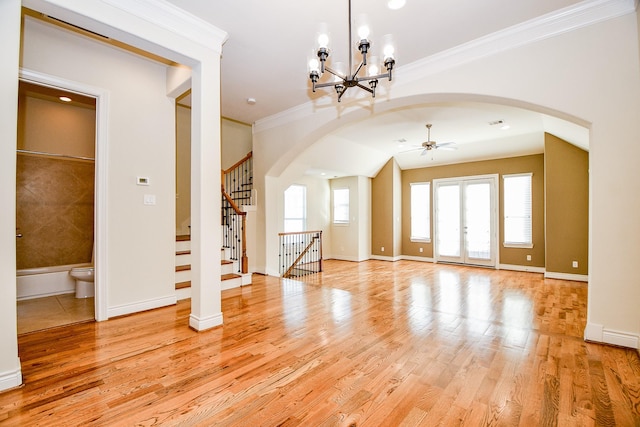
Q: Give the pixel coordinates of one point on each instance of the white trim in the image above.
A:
(418, 258)
(525, 268)
(580, 15)
(598, 333)
(386, 258)
(120, 310)
(206, 323)
(101, 176)
(166, 15)
(183, 293)
(11, 379)
(566, 276)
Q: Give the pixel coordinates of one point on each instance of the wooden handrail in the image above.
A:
(238, 163)
(299, 232)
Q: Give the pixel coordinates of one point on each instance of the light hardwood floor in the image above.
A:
(49, 312)
(362, 344)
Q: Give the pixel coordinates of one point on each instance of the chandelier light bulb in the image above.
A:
(323, 40)
(363, 32)
(388, 51)
(314, 65)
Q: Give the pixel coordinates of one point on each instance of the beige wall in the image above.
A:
(382, 211)
(141, 142)
(524, 164)
(236, 143)
(183, 170)
(567, 206)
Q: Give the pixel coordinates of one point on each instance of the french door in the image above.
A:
(466, 220)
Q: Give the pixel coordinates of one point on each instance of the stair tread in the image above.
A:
(183, 238)
(183, 252)
(183, 267)
(230, 276)
(182, 285)
(225, 262)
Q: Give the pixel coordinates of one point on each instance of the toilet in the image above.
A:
(84, 281)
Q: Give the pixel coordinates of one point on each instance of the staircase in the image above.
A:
(229, 279)
(237, 181)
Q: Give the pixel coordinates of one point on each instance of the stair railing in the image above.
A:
(237, 189)
(300, 253)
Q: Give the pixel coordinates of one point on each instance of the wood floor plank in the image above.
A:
(374, 343)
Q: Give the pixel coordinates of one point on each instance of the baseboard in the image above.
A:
(385, 258)
(566, 276)
(136, 307)
(205, 323)
(11, 379)
(418, 258)
(598, 333)
(525, 268)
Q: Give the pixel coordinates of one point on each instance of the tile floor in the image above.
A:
(49, 312)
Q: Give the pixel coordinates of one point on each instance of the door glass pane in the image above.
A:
(478, 220)
(448, 220)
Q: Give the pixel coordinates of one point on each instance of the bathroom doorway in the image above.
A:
(55, 205)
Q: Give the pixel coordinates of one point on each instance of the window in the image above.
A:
(295, 208)
(517, 211)
(341, 206)
(420, 212)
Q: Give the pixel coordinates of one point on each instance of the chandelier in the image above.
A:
(343, 81)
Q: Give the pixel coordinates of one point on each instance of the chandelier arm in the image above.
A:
(355, 74)
(342, 93)
(365, 88)
(327, 84)
(335, 73)
(377, 77)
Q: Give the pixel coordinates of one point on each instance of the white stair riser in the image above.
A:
(183, 245)
(184, 259)
(183, 276)
(231, 283)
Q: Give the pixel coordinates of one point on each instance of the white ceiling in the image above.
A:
(265, 59)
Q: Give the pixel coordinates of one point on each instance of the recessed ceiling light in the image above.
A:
(64, 99)
(395, 4)
(251, 101)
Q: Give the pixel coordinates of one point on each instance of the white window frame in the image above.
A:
(304, 209)
(336, 206)
(427, 238)
(517, 244)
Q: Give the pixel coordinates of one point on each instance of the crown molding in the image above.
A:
(562, 21)
(174, 19)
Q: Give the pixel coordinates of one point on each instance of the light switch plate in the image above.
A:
(149, 199)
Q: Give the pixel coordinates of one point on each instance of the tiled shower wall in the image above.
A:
(54, 211)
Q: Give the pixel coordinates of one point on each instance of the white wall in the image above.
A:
(141, 142)
(10, 372)
(592, 74)
(351, 242)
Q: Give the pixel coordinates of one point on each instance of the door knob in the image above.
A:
(18, 235)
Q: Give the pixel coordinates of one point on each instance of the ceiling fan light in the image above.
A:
(396, 4)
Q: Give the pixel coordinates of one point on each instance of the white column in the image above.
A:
(10, 372)
(206, 307)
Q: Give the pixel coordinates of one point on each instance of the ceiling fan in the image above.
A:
(432, 145)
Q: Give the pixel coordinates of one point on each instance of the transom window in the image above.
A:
(295, 208)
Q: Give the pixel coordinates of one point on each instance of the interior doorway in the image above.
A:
(466, 220)
(55, 207)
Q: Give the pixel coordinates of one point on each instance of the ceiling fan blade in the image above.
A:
(424, 152)
(447, 148)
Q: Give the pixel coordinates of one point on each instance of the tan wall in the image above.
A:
(515, 256)
(382, 210)
(183, 170)
(567, 206)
